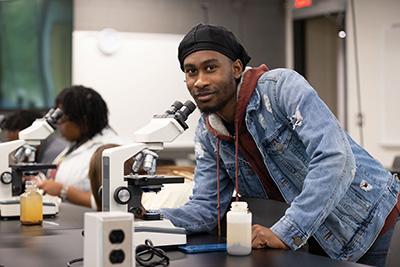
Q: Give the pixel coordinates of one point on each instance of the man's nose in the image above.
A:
(201, 81)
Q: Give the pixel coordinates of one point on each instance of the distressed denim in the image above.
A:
(337, 192)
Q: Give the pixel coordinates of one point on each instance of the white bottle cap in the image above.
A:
(239, 206)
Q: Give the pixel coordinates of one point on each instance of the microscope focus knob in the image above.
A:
(122, 195)
(6, 177)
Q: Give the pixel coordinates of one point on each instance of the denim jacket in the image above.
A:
(337, 192)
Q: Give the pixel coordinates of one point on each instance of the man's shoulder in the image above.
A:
(277, 74)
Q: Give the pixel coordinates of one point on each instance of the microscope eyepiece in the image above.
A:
(190, 105)
(187, 108)
(49, 113)
(57, 114)
(53, 116)
(174, 108)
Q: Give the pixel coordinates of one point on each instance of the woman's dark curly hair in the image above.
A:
(85, 107)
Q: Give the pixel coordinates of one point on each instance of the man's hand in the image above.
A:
(51, 187)
(263, 237)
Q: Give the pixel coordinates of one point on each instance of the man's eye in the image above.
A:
(190, 71)
(210, 67)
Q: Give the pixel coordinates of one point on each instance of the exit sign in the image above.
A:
(302, 3)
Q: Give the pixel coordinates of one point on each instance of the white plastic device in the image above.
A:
(108, 239)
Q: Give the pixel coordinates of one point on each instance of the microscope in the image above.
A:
(11, 184)
(124, 193)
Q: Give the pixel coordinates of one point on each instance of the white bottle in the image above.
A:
(238, 229)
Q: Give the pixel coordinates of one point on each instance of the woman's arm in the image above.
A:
(72, 194)
(78, 197)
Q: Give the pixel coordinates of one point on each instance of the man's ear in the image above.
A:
(237, 68)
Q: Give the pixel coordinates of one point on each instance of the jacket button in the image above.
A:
(279, 147)
(297, 241)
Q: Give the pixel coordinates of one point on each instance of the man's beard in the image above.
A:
(213, 109)
(221, 103)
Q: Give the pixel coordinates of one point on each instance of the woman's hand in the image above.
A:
(50, 187)
(263, 237)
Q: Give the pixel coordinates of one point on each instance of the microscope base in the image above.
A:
(9, 208)
(161, 232)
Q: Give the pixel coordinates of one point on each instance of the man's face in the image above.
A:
(210, 78)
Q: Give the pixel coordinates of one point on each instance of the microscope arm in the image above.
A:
(113, 172)
(5, 171)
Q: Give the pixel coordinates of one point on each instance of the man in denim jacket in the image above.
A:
(267, 134)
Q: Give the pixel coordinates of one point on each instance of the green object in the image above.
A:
(35, 52)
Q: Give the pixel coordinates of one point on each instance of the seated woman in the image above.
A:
(85, 125)
(171, 196)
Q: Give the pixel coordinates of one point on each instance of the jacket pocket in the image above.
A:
(288, 153)
(349, 216)
(353, 209)
(346, 219)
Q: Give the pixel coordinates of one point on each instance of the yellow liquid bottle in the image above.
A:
(31, 205)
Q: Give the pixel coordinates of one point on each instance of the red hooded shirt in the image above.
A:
(246, 144)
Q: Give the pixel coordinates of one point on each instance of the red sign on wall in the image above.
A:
(302, 3)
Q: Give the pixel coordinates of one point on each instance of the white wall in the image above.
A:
(122, 78)
(378, 39)
(259, 24)
(141, 78)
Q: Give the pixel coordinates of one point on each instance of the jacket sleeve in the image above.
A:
(331, 167)
(199, 214)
